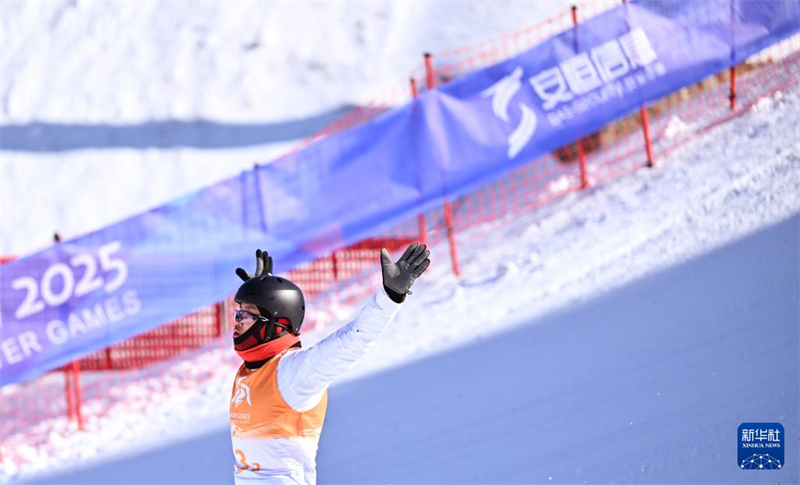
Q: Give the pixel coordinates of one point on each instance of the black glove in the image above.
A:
(398, 277)
(263, 266)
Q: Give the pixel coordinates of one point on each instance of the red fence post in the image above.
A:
(220, 308)
(73, 407)
(448, 210)
(581, 152)
(335, 265)
(72, 388)
(448, 221)
(68, 393)
(422, 227)
(732, 94)
(77, 388)
(575, 21)
(582, 164)
(646, 130)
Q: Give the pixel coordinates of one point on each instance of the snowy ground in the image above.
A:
(109, 108)
(617, 335)
(633, 323)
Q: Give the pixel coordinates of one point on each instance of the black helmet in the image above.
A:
(276, 298)
(279, 301)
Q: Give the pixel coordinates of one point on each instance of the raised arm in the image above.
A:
(304, 375)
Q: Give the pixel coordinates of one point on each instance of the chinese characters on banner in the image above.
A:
(578, 84)
(616, 67)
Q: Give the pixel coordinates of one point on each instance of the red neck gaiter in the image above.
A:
(267, 350)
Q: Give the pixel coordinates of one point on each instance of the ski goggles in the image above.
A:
(240, 315)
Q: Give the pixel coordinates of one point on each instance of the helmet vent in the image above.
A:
(280, 280)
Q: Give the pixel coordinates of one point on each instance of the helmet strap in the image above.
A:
(261, 332)
(252, 336)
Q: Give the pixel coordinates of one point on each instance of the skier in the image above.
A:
(280, 394)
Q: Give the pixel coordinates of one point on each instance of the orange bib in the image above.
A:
(268, 435)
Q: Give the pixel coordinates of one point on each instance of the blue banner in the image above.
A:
(85, 294)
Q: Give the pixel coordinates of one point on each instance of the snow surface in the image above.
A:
(617, 335)
(621, 334)
(145, 87)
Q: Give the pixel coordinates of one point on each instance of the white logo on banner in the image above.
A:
(578, 84)
(502, 92)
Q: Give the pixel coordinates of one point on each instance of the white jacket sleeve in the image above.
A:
(303, 375)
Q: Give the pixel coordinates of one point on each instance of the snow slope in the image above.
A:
(617, 335)
(645, 384)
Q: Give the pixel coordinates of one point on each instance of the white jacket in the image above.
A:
(303, 376)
